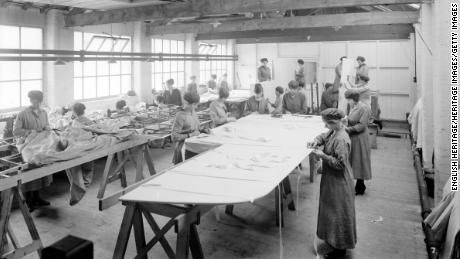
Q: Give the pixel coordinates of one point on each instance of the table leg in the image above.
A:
(312, 160)
(123, 235)
(6, 198)
(120, 161)
(229, 209)
(279, 207)
(195, 245)
(182, 244)
(288, 192)
(105, 176)
(139, 234)
(148, 160)
(140, 166)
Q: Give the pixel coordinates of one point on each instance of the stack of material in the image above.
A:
(48, 147)
(444, 222)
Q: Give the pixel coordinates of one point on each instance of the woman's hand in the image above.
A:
(231, 119)
(319, 153)
(312, 145)
(206, 131)
(194, 133)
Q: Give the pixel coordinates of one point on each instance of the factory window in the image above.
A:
(17, 78)
(207, 68)
(98, 79)
(164, 70)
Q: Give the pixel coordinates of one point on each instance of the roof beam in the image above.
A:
(359, 29)
(330, 20)
(211, 7)
(322, 38)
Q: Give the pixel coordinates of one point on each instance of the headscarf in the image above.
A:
(332, 115)
(192, 97)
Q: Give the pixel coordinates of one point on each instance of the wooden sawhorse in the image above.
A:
(183, 218)
(19, 251)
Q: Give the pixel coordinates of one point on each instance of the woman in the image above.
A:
(300, 73)
(360, 156)
(218, 109)
(192, 86)
(257, 102)
(223, 81)
(186, 125)
(361, 83)
(172, 95)
(263, 72)
(294, 101)
(278, 105)
(336, 215)
(338, 73)
(80, 177)
(329, 98)
(33, 119)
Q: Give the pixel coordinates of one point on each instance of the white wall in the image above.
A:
(392, 66)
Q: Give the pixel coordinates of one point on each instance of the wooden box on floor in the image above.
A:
(70, 247)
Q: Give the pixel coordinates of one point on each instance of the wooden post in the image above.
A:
(105, 176)
(125, 230)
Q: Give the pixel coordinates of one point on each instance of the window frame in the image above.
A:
(96, 76)
(179, 68)
(42, 77)
(214, 67)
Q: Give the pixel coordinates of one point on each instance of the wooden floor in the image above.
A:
(388, 217)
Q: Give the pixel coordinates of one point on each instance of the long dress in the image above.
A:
(26, 121)
(264, 74)
(185, 123)
(336, 215)
(338, 76)
(360, 157)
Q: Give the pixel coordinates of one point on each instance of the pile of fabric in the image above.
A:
(48, 146)
(444, 222)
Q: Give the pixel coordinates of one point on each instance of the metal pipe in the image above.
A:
(104, 53)
(107, 58)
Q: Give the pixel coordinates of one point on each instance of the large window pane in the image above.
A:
(78, 88)
(180, 47)
(9, 70)
(9, 95)
(77, 69)
(27, 86)
(115, 85)
(103, 86)
(125, 84)
(166, 66)
(31, 70)
(115, 68)
(158, 66)
(89, 87)
(174, 46)
(126, 67)
(31, 38)
(89, 68)
(102, 68)
(77, 40)
(9, 37)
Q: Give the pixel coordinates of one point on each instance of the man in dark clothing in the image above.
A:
(329, 98)
(172, 95)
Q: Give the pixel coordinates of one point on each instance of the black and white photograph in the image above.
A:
(228, 129)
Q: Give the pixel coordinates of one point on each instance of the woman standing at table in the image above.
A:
(257, 102)
(294, 101)
(33, 119)
(186, 125)
(360, 157)
(218, 109)
(336, 215)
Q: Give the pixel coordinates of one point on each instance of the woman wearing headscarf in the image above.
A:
(360, 157)
(336, 215)
(218, 109)
(257, 102)
(361, 84)
(33, 119)
(186, 125)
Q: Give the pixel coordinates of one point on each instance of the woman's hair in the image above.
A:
(258, 89)
(327, 85)
(191, 97)
(224, 92)
(264, 60)
(364, 78)
(279, 89)
(131, 93)
(332, 115)
(170, 81)
(193, 77)
(35, 95)
(300, 61)
(352, 94)
(120, 104)
(342, 58)
(79, 109)
(361, 58)
(214, 76)
(293, 84)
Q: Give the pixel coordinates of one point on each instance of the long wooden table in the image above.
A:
(134, 149)
(255, 157)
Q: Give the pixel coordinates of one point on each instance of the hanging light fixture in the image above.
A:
(59, 62)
